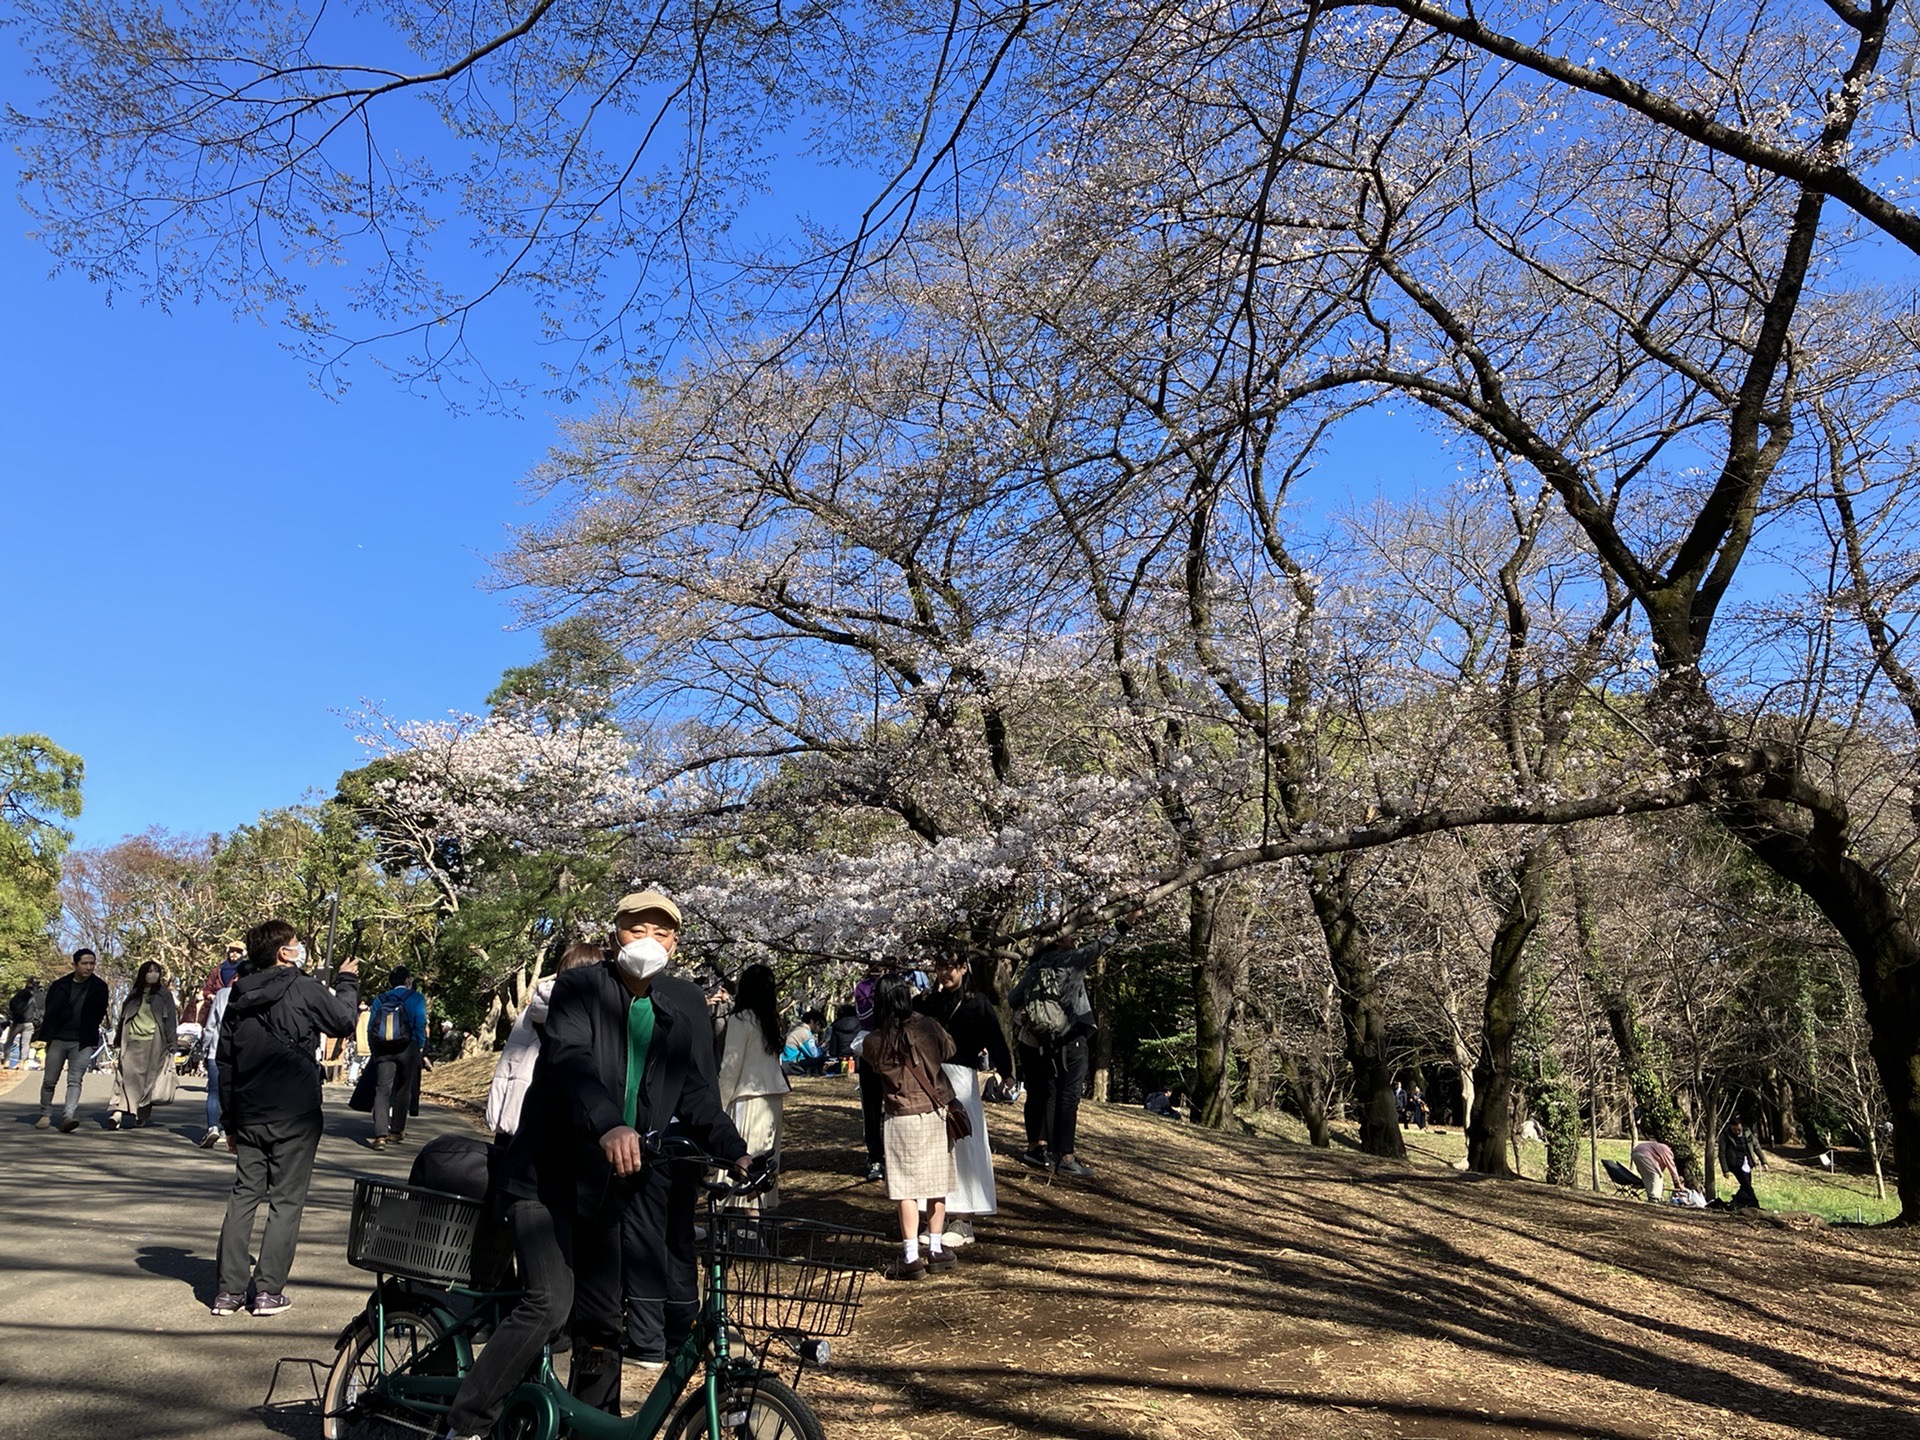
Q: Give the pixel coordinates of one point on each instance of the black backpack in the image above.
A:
(1045, 1010)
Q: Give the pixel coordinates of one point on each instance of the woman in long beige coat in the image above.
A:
(143, 1047)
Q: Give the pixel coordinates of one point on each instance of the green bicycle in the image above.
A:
(767, 1280)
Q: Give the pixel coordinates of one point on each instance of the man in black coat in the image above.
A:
(76, 1005)
(270, 1105)
(626, 1052)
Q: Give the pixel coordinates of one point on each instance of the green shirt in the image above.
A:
(639, 1041)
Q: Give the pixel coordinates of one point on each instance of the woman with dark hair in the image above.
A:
(143, 1043)
(907, 1051)
(964, 1013)
(513, 1073)
(753, 1087)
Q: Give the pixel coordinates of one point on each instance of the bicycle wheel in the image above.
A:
(345, 1409)
(766, 1409)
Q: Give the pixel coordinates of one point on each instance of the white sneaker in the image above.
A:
(954, 1239)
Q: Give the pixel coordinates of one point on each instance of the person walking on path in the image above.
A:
(210, 1047)
(1056, 1022)
(620, 1058)
(218, 979)
(1654, 1163)
(397, 1033)
(1739, 1158)
(270, 1102)
(864, 995)
(143, 1048)
(513, 1071)
(908, 1052)
(24, 1012)
(76, 1006)
(753, 1083)
(965, 1014)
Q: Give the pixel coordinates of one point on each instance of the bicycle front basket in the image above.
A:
(793, 1277)
(425, 1235)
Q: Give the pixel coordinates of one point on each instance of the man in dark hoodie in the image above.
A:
(270, 1104)
(76, 1004)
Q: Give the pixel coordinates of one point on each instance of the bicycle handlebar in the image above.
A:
(677, 1149)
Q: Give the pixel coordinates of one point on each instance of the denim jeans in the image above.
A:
(78, 1059)
(19, 1043)
(213, 1102)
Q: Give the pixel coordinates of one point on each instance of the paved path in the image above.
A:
(107, 1241)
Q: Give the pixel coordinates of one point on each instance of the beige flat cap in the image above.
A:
(641, 900)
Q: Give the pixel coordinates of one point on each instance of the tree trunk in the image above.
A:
(1306, 1077)
(1363, 1012)
(1786, 1125)
(1870, 917)
(1216, 954)
(1100, 992)
(1489, 1135)
(1464, 1062)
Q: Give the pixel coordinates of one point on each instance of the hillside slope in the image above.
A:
(1206, 1285)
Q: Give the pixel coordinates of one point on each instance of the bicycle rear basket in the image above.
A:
(793, 1277)
(405, 1230)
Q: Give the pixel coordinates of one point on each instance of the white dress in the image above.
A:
(973, 1192)
(753, 1089)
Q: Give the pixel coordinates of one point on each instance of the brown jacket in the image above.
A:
(908, 1060)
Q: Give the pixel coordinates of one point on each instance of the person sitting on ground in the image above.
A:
(270, 1105)
(1654, 1163)
(843, 1037)
(800, 1052)
(907, 1051)
(1162, 1102)
(1739, 1158)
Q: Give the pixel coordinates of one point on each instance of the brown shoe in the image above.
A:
(941, 1261)
(916, 1270)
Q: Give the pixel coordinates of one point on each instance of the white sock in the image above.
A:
(934, 1241)
(913, 1248)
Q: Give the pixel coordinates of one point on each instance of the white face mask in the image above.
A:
(642, 958)
(299, 956)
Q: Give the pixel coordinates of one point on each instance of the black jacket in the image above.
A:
(971, 1021)
(75, 1010)
(841, 1035)
(579, 1088)
(17, 1006)
(267, 1038)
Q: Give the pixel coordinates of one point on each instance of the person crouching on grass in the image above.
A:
(907, 1050)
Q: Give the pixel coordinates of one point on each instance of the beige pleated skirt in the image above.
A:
(919, 1160)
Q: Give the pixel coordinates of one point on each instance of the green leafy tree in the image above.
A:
(39, 788)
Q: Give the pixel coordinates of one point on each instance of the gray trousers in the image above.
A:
(275, 1165)
(78, 1059)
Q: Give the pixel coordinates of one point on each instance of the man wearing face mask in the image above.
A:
(270, 1106)
(627, 1052)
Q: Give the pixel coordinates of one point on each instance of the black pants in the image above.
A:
(571, 1271)
(1055, 1077)
(657, 1255)
(275, 1164)
(871, 1119)
(392, 1085)
(1744, 1198)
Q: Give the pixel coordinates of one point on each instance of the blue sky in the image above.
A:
(206, 559)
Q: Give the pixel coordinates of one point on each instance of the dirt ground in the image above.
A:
(1207, 1286)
